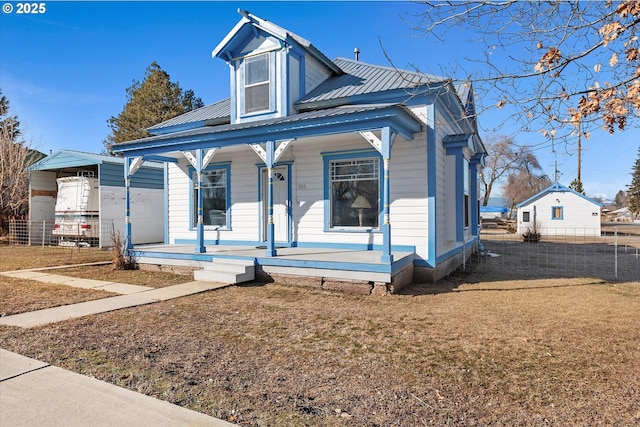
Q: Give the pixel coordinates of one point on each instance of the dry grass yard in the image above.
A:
(474, 350)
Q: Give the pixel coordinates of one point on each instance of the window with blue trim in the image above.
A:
(215, 197)
(557, 212)
(354, 191)
(257, 83)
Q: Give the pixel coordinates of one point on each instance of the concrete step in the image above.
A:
(230, 271)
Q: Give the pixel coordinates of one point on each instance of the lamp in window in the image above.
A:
(361, 203)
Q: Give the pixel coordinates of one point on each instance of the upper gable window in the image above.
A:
(257, 90)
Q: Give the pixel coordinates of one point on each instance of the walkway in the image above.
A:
(34, 393)
(131, 296)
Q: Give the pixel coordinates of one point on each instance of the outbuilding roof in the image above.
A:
(72, 158)
(555, 188)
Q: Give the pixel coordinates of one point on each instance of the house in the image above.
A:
(146, 191)
(318, 168)
(559, 210)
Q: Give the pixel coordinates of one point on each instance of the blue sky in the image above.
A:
(65, 71)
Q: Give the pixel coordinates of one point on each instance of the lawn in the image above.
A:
(19, 296)
(466, 352)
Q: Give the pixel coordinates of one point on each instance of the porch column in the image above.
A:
(271, 244)
(127, 203)
(473, 193)
(200, 248)
(387, 140)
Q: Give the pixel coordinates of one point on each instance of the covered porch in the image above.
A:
(305, 265)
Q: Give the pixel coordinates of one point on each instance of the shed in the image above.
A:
(146, 196)
(559, 210)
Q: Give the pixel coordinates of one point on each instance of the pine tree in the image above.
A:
(620, 200)
(576, 186)
(149, 102)
(633, 194)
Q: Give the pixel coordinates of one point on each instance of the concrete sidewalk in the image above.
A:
(34, 393)
(131, 296)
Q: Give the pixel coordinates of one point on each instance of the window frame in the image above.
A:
(270, 82)
(193, 208)
(528, 216)
(329, 158)
(560, 209)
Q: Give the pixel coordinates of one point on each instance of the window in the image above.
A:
(354, 192)
(467, 219)
(525, 217)
(556, 212)
(214, 197)
(256, 84)
(467, 198)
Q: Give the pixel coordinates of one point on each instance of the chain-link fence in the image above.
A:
(90, 233)
(613, 256)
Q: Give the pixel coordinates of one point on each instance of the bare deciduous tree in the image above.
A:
(13, 173)
(504, 158)
(525, 183)
(563, 66)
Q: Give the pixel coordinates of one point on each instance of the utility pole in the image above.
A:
(579, 148)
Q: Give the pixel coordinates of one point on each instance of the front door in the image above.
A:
(280, 204)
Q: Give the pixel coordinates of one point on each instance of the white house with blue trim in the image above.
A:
(146, 193)
(316, 167)
(559, 211)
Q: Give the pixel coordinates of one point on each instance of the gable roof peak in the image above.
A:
(250, 20)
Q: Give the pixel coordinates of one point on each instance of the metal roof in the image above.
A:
(555, 188)
(67, 158)
(216, 113)
(361, 79)
(294, 121)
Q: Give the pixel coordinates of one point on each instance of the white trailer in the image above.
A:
(77, 211)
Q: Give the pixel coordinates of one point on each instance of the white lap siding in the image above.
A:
(408, 171)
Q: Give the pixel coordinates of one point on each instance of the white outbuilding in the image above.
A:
(559, 210)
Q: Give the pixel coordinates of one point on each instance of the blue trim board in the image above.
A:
(432, 189)
(165, 199)
(558, 218)
(282, 262)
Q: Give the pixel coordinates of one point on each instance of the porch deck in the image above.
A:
(340, 264)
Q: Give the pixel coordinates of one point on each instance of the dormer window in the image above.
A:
(257, 82)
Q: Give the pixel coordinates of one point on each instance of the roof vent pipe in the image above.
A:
(356, 51)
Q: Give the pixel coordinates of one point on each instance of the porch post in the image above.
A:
(200, 248)
(127, 204)
(473, 193)
(271, 244)
(387, 140)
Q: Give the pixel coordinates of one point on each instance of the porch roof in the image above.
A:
(342, 119)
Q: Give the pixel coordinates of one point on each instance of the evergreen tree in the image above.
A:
(620, 200)
(576, 186)
(149, 102)
(633, 194)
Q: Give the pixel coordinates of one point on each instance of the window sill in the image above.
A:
(352, 230)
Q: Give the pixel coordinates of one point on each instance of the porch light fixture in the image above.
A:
(361, 203)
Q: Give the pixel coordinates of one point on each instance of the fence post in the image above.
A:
(615, 251)
(44, 229)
